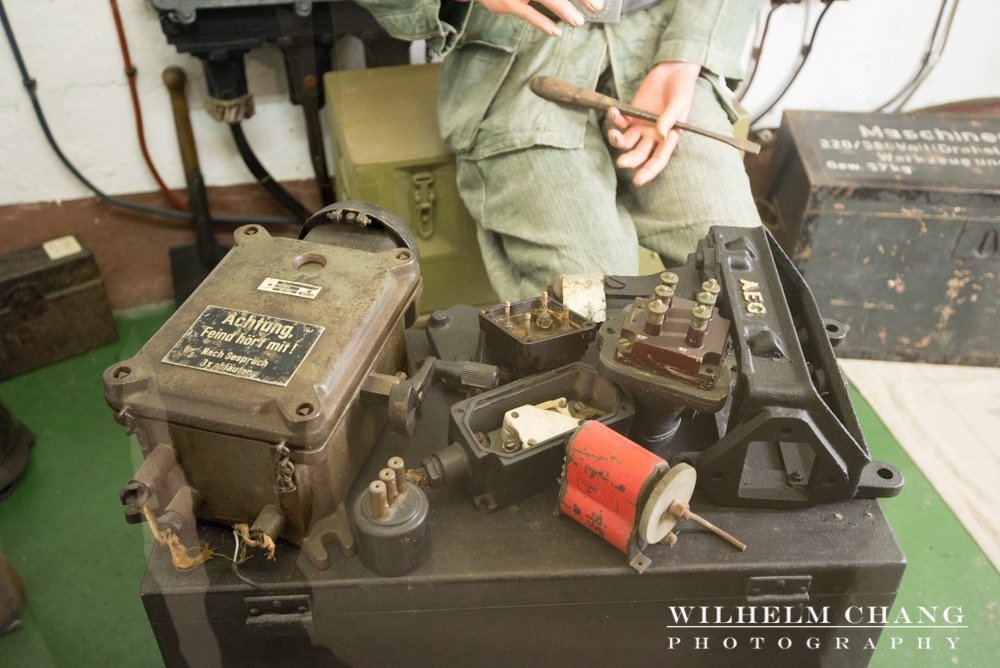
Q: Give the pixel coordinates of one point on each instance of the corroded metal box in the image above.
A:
(247, 403)
(52, 305)
(893, 221)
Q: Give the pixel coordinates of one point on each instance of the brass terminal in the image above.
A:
(399, 469)
(656, 311)
(379, 502)
(665, 294)
(705, 298)
(700, 316)
(669, 278)
(388, 478)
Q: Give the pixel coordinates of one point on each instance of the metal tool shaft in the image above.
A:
(681, 510)
(557, 90)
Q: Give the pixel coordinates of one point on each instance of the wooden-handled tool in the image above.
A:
(557, 90)
(189, 265)
(176, 81)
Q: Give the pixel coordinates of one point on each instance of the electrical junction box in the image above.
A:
(894, 222)
(52, 305)
(387, 149)
(247, 403)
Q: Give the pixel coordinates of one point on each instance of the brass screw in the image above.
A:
(669, 278)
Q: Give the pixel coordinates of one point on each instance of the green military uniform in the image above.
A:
(538, 177)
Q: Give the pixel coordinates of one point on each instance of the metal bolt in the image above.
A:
(545, 301)
(796, 476)
(705, 298)
(379, 502)
(399, 469)
(388, 476)
(506, 312)
(669, 278)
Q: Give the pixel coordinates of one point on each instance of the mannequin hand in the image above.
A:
(561, 8)
(668, 91)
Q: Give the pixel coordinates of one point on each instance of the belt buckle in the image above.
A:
(611, 13)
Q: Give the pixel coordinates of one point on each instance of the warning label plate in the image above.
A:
(245, 345)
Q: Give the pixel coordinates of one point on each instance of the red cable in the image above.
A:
(758, 52)
(130, 74)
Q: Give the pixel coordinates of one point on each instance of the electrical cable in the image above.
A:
(130, 76)
(932, 61)
(236, 563)
(923, 62)
(266, 181)
(803, 57)
(758, 52)
(30, 85)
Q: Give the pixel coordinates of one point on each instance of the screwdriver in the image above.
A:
(557, 90)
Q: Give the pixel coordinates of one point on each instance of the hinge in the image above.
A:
(423, 195)
(778, 590)
(278, 610)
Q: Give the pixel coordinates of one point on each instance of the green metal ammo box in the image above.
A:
(387, 149)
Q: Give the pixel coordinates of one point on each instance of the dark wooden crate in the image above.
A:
(894, 221)
(52, 306)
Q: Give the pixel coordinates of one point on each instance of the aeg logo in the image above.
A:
(753, 296)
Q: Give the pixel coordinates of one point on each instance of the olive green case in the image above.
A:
(387, 149)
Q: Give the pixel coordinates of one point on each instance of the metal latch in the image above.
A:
(278, 610)
(779, 590)
(423, 195)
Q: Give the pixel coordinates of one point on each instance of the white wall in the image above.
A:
(865, 51)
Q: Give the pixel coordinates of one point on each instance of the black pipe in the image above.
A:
(282, 196)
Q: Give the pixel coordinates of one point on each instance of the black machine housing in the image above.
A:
(788, 435)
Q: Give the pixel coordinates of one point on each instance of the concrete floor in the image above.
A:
(82, 565)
